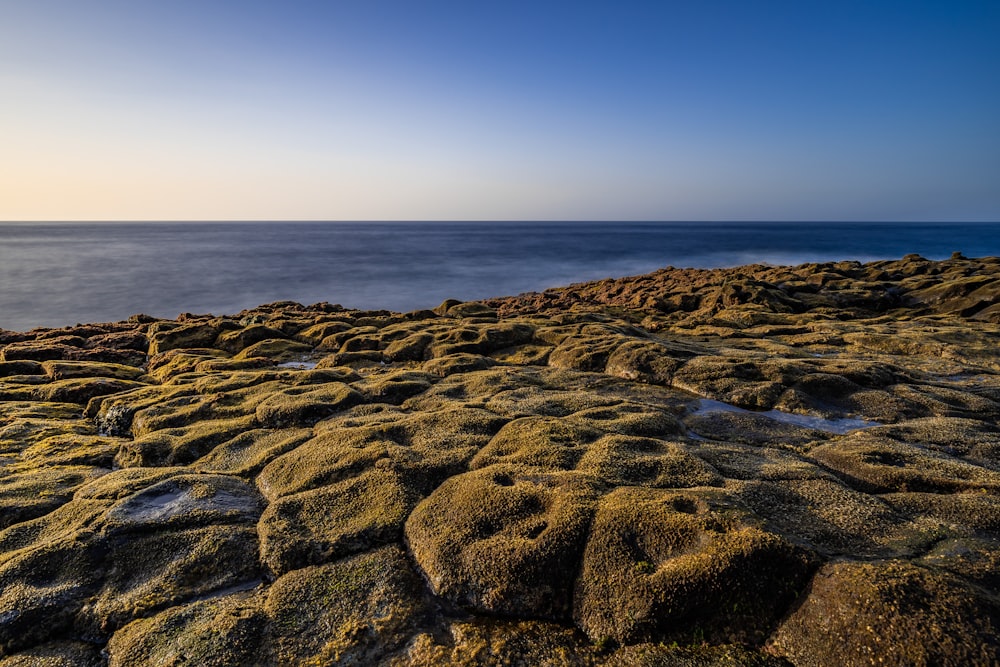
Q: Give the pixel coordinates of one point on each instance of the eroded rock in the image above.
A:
(504, 539)
(635, 471)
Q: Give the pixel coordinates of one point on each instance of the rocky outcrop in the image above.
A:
(761, 466)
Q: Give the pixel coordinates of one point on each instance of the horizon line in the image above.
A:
(493, 221)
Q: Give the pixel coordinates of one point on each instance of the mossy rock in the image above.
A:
(875, 464)
(974, 511)
(394, 387)
(43, 588)
(250, 451)
(827, 388)
(645, 361)
(586, 353)
(685, 566)
(476, 386)
(749, 462)
(22, 367)
(462, 362)
(114, 415)
(504, 539)
(328, 458)
(491, 641)
(427, 446)
(529, 354)
(64, 370)
(890, 613)
(470, 309)
(362, 343)
(635, 461)
(330, 522)
(74, 449)
(34, 351)
(14, 389)
(238, 340)
(148, 572)
(441, 443)
(304, 406)
(410, 348)
(535, 399)
(695, 655)
(183, 445)
(474, 338)
(19, 434)
(223, 365)
(974, 440)
(740, 381)
(124, 482)
(947, 401)
(67, 522)
(335, 341)
(827, 515)
(129, 339)
(355, 611)
(976, 560)
(167, 366)
(57, 654)
(183, 337)
(81, 390)
(28, 491)
(228, 631)
(543, 442)
(10, 411)
(185, 501)
(627, 418)
(228, 380)
(276, 349)
(315, 334)
(753, 429)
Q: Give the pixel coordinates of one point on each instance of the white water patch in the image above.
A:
(839, 426)
(241, 587)
(188, 499)
(298, 365)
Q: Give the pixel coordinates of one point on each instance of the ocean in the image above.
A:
(57, 274)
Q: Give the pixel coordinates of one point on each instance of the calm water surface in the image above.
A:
(55, 274)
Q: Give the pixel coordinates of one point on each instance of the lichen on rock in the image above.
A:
(760, 465)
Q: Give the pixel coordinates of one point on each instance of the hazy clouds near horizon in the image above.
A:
(516, 110)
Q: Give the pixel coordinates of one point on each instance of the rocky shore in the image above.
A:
(753, 466)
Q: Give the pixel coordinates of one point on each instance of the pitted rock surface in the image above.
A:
(761, 465)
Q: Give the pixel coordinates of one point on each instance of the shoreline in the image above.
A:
(84, 273)
(765, 464)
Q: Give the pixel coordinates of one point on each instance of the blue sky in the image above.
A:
(705, 110)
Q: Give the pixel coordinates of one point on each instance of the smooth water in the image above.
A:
(55, 274)
(840, 426)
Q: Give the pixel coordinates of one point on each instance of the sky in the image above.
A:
(459, 110)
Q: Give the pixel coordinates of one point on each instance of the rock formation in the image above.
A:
(757, 466)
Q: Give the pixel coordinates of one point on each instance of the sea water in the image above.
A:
(56, 274)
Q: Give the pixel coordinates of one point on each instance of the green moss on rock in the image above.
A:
(685, 566)
(635, 461)
(354, 611)
(330, 522)
(543, 442)
(890, 613)
(304, 406)
(504, 539)
(228, 631)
